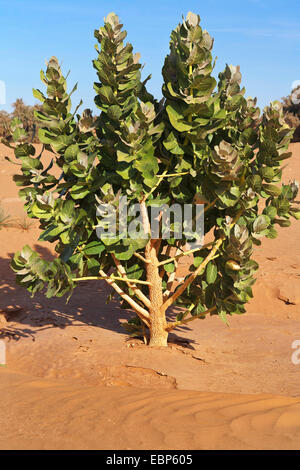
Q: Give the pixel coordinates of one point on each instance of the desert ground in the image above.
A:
(74, 380)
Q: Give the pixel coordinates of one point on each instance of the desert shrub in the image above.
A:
(5, 120)
(24, 113)
(291, 108)
(203, 143)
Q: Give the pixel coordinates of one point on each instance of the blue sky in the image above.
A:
(262, 36)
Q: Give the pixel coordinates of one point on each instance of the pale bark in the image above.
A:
(158, 323)
(141, 312)
(131, 284)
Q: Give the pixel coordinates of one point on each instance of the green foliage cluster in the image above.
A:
(203, 142)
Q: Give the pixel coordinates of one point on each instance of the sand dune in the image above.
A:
(48, 414)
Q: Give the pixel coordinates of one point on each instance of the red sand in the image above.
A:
(73, 380)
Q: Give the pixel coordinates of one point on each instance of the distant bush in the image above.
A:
(25, 113)
(291, 107)
(5, 120)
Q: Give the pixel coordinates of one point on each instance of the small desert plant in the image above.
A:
(5, 219)
(203, 143)
(24, 223)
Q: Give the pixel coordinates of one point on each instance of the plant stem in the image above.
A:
(131, 285)
(141, 257)
(185, 253)
(204, 263)
(113, 278)
(155, 186)
(141, 312)
(164, 175)
(173, 325)
(158, 323)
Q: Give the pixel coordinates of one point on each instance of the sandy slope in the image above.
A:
(60, 415)
(74, 381)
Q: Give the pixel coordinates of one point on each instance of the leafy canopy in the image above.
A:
(203, 142)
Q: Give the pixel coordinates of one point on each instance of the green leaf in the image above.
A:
(169, 268)
(204, 85)
(197, 261)
(62, 141)
(198, 310)
(93, 266)
(283, 222)
(29, 163)
(106, 95)
(147, 165)
(79, 191)
(272, 233)
(295, 212)
(223, 315)
(249, 136)
(38, 94)
(94, 248)
(71, 152)
(124, 170)
(176, 118)
(45, 136)
(172, 146)
(261, 223)
(271, 212)
(114, 112)
(211, 272)
(135, 271)
(19, 134)
(272, 189)
(52, 232)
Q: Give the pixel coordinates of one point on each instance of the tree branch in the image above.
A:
(145, 218)
(173, 325)
(164, 175)
(141, 257)
(185, 253)
(155, 186)
(171, 278)
(204, 263)
(114, 278)
(132, 285)
(162, 270)
(141, 312)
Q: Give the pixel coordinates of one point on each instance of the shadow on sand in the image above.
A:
(26, 316)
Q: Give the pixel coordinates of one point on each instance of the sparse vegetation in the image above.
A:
(24, 223)
(25, 114)
(291, 107)
(5, 219)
